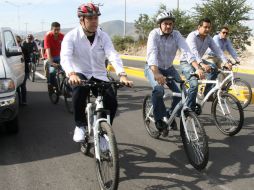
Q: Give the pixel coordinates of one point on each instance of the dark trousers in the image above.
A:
(79, 99)
(23, 89)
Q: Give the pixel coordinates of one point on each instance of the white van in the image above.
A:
(12, 73)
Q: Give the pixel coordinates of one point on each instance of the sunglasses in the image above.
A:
(225, 33)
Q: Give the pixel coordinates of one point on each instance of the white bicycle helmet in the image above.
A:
(165, 16)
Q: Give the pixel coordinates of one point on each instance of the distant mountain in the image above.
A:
(112, 28)
(116, 27)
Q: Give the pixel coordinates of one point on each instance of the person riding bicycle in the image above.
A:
(162, 45)
(83, 54)
(52, 46)
(199, 41)
(225, 44)
(28, 48)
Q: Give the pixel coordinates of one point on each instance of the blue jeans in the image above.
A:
(159, 108)
(52, 71)
(192, 92)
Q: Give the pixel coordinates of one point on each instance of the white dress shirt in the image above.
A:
(78, 55)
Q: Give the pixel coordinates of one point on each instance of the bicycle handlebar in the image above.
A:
(102, 84)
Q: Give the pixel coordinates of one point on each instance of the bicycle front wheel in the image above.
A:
(228, 114)
(196, 146)
(240, 89)
(107, 168)
(148, 118)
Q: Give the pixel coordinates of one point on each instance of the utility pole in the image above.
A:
(124, 27)
(177, 5)
(26, 23)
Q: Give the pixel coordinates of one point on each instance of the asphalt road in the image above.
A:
(44, 157)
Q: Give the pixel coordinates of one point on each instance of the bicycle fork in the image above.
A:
(191, 128)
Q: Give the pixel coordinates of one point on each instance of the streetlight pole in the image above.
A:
(124, 28)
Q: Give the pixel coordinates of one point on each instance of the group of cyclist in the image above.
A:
(163, 43)
(82, 53)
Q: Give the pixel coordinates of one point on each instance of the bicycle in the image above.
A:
(62, 87)
(238, 87)
(100, 134)
(191, 130)
(221, 105)
(32, 65)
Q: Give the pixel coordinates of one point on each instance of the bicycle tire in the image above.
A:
(33, 72)
(234, 103)
(109, 157)
(53, 95)
(196, 149)
(149, 124)
(245, 88)
(68, 97)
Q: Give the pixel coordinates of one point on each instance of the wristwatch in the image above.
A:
(122, 74)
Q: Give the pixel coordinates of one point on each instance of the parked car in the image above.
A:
(12, 73)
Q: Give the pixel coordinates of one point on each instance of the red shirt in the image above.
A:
(53, 44)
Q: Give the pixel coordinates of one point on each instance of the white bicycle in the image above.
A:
(226, 109)
(192, 131)
(100, 134)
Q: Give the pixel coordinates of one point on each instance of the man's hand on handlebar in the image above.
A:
(160, 78)
(54, 64)
(207, 68)
(200, 74)
(228, 65)
(126, 81)
(74, 79)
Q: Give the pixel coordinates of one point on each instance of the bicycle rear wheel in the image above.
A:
(32, 69)
(196, 147)
(240, 89)
(107, 168)
(148, 118)
(228, 114)
(68, 97)
(53, 94)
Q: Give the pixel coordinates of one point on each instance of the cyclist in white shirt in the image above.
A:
(83, 53)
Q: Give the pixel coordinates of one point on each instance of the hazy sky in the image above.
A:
(38, 14)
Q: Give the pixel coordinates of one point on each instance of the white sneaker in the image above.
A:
(79, 134)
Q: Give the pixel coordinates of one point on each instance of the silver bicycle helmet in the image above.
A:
(165, 16)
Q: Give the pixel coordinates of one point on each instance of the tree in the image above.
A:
(121, 43)
(183, 22)
(143, 25)
(230, 13)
